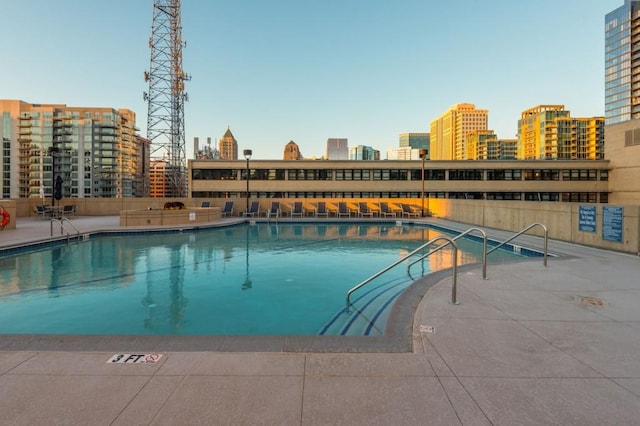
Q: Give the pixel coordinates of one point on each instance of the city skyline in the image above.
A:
(308, 72)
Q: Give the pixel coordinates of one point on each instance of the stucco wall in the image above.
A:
(561, 219)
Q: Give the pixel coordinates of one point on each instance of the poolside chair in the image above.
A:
(364, 210)
(206, 204)
(274, 210)
(408, 211)
(343, 210)
(297, 210)
(227, 210)
(386, 211)
(68, 210)
(321, 209)
(42, 211)
(254, 209)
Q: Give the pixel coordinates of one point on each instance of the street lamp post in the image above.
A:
(247, 155)
(423, 156)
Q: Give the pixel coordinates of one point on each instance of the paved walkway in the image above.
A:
(529, 346)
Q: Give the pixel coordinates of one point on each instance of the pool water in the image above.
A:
(249, 279)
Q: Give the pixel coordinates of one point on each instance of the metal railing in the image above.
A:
(468, 231)
(61, 222)
(452, 242)
(402, 259)
(546, 237)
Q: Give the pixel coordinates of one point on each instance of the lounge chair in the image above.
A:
(364, 210)
(297, 210)
(321, 209)
(274, 210)
(227, 210)
(408, 211)
(386, 211)
(69, 210)
(343, 210)
(254, 209)
(43, 211)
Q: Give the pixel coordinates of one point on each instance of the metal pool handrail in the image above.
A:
(468, 231)
(61, 223)
(546, 237)
(402, 259)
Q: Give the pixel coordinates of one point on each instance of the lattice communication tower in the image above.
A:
(166, 95)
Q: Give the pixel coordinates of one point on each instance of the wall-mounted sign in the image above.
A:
(587, 218)
(612, 223)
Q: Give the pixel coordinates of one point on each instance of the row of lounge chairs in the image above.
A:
(321, 209)
(55, 211)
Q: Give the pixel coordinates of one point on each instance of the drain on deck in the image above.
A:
(593, 301)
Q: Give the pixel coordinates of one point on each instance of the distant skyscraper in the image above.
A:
(404, 153)
(362, 152)
(292, 152)
(485, 145)
(414, 140)
(337, 149)
(548, 132)
(622, 68)
(228, 146)
(449, 131)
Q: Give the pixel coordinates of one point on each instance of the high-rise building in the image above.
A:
(207, 152)
(337, 149)
(449, 131)
(292, 152)
(622, 64)
(95, 151)
(405, 153)
(362, 152)
(547, 132)
(228, 146)
(414, 140)
(485, 145)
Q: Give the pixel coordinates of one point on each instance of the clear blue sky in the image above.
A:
(281, 70)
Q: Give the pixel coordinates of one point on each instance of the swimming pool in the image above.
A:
(248, 279)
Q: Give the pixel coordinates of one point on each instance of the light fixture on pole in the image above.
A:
(247, 155)
(423, 156)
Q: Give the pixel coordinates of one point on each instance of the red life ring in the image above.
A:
(6, 218)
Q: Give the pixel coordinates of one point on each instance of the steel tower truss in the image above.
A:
(166, 95)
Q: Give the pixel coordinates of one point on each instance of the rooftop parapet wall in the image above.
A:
(561, 219)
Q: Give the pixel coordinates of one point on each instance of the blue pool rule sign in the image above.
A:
(587, 219)
(612, 224)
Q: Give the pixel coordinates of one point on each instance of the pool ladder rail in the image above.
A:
(452, 242)
(61, 222)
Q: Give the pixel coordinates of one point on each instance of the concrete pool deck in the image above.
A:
(529, 345)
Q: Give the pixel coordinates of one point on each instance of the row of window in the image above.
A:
(566, 197)
(399, 174)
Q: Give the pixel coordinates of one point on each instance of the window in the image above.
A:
(506, 174)
(466, 175)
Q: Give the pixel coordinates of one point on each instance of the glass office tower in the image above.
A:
(622, 63)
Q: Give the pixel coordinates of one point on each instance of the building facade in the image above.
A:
(228, 146)
(362, 152)
(622, 65)
(548, 132)
(95, 151)
(405, 153)
(485, 145)
(292, 152)
(539, 180)
(337, 149)
(449, 131)
(414, 140)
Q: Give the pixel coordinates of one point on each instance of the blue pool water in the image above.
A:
(249, 279)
